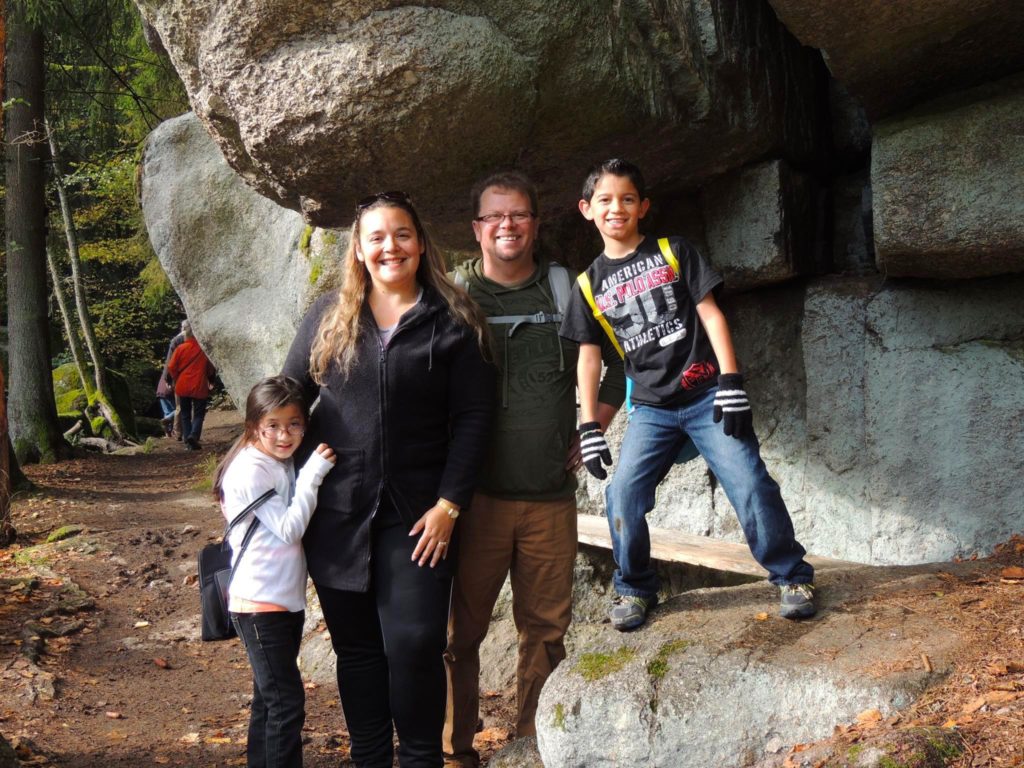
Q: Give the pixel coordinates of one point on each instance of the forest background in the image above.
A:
(79, 78)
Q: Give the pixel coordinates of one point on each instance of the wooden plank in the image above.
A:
(678, 547)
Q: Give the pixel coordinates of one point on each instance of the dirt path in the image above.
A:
(123, 679)
(101, 665)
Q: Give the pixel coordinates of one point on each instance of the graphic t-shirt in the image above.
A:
(653, 312)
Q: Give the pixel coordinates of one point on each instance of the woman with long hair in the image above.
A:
(399, 360)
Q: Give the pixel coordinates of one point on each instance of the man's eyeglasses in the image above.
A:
(295, 430)
(517, 217)
(395, 196)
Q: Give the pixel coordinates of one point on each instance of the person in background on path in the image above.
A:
(398, 358)
(657, 297)
(523, 518)
(191, 371)
(172, 422)
(165, 398)
(267, 595)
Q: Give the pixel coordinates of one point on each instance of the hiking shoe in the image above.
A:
(796, 601)
(628, 612)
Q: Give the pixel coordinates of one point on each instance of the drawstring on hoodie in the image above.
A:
(430, 351)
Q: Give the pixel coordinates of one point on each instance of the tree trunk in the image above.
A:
(84, 318)
(7, 532)
(69, 327)
(101, 397)
(31, 408)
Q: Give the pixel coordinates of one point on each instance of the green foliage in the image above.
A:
(206, 469)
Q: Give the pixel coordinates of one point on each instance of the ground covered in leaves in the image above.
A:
(101, 665)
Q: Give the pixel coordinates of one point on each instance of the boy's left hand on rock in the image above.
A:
(733, 407)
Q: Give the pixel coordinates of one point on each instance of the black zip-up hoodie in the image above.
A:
(411, 421)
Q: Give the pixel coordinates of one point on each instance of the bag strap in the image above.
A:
(249, 532)
(588, 294)
(666, 251)
(239, 517)
(559, 282)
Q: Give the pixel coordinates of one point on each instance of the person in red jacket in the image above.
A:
(191, 370)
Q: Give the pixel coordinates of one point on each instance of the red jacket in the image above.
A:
(191, 370)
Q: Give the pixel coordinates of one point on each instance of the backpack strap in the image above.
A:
(666, 251)
(558, 280)
(588, 293)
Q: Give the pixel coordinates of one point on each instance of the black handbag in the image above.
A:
(215, 574)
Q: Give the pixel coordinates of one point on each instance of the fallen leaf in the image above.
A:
(190, 738)
(218, 740)
(312, 686)
(869, 716)
(140, 624)
(1015, 667)
(162, 663)
(1012, 572)
(974, 705)
(951, 723)
(114, 715)
(1001, 697)
(761, 617)
(161, 760)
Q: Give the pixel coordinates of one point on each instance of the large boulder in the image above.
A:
(317, 104)
(714, 680)
(245, 268)
(891, 55)
(948, 181)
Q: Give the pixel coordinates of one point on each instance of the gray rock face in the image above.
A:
(760, 225)
(316, 104)
(245, 268)
(891, 55)
(706, 684)
(948, 183)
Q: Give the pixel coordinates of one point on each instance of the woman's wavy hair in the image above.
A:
(336, 338)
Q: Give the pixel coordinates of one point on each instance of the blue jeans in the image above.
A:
(278, 699)
(166, 406)
(652, 442)
(193, 411)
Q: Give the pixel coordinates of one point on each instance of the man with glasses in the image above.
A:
(522, 521)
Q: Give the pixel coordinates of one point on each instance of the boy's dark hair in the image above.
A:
(268, 395)
(514, 180)
(616, 167)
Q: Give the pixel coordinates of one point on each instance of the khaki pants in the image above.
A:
(536, 543)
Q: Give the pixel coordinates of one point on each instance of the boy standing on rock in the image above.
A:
(656, 299)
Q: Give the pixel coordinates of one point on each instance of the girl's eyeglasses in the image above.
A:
(295, 430)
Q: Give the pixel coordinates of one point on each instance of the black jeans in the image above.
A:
(193, 411)
(390, 643)
(278, 698)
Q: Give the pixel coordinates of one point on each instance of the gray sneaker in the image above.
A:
(796, 601)
(628, 612)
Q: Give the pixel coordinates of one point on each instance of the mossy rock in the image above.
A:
(148, 427)
(64, 532)
(67, 390)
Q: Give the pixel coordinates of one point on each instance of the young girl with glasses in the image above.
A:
(267, 596)
(398, 358)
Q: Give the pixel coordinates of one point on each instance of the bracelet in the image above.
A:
(447, 506)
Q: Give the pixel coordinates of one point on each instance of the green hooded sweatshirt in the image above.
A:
(536, 416)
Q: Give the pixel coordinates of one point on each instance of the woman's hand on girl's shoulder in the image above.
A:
(326, 453)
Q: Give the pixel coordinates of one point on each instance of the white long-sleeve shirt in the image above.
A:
(273, 569)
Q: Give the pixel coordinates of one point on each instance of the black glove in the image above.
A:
(594, 449)
(731, 404)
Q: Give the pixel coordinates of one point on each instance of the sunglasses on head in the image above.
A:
(395, 196)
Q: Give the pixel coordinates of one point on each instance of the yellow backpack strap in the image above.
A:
(588, 294)
(666, 251)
